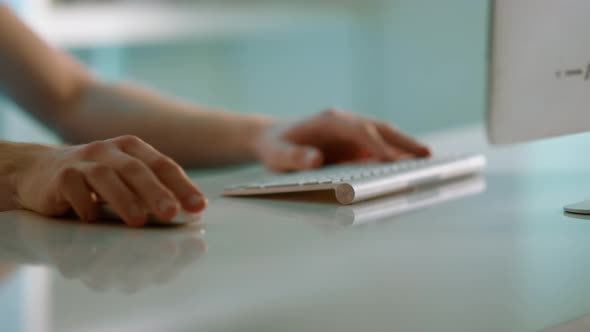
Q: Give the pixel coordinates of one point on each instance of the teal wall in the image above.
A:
(285, 73)
(436, 62)
(419, 63)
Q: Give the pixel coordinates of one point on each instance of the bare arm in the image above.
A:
(13, 156)
(63, 94)
(56, 89)
(137, 178)
(192, 136)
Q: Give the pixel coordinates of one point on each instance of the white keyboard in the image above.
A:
(355, 183)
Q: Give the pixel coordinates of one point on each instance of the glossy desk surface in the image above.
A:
(494, 254)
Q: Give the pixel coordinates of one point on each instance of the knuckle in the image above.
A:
(98, 170)
(94, 149)
(367, 126)
(66, 174)
(165, 164)
(337, 113)
(129, 140)
(332, 112)
(132, 166)
(298, 154)
(388, 126)
(383, 124)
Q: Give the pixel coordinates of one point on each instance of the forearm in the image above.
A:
(55, 88)
(191, 135)
(38, 77)
(14, 158)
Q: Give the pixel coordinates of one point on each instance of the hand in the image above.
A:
(334, 137)
(124, 172)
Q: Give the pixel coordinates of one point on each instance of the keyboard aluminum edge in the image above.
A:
(353, 191)
(379, 186)
(278, 190)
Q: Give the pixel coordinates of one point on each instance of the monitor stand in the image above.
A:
(578, 208)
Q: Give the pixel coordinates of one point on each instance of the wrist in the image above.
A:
(8, 200)
(16, 161)
(257, 129)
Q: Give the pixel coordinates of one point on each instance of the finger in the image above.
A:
(286, 157)
(398, 139)
(367, 135)
(168, 172)
(400, 154)
(108, 185)
(78, 194)
(140, 178)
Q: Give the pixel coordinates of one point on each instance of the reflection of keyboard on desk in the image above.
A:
(321, 212)
(422, 197)
(355, 183)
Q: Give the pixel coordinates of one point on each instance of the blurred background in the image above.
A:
(419, 63)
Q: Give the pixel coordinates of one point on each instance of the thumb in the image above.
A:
(288, 157)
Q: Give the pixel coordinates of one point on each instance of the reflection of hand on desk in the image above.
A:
(103, 257)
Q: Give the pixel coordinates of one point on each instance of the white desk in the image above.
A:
(505, 259)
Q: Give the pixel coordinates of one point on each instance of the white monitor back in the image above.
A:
(539, 69)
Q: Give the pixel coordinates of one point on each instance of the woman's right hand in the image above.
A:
(125, 172)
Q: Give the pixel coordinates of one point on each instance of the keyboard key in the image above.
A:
(283, 184)
(309, 182)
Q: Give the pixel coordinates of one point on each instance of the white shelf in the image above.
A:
(111, 23)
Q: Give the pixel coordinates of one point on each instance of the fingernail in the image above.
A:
(310, 157)
(90, 218)
(136, 212)
(137, 216)
(168, 206)
(195, 201)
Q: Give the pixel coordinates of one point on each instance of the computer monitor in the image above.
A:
(539, 73)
